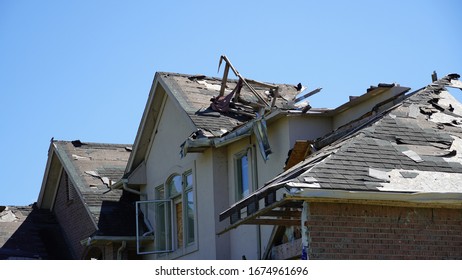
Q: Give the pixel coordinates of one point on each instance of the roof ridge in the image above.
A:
(93, 143)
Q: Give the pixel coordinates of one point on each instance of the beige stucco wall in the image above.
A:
(360, 109)
(209, 171)
(308, 127)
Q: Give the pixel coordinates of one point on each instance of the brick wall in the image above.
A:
(73, 217)
(354, 231)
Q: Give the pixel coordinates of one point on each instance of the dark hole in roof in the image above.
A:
(77, 143)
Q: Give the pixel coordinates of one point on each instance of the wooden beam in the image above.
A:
(275, 222)
(283, 213)
(224, 80)
(229, 65)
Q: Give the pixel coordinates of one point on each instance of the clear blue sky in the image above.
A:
(83, 69)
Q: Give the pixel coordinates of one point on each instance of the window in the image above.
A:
(180, 192)
(243, 173)
(173, 213)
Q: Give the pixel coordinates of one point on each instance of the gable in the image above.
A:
(90, 169)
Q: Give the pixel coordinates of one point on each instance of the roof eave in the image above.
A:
(415, 199)
(201, 144)
(443, 199)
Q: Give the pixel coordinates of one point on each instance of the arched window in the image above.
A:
(174, 211)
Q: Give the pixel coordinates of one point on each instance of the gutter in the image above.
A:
(442, 199)
(103, 239)
(204, 143)
(124, 184)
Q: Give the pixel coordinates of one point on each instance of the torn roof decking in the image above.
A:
(194, 94)
(93, 168)
(404, 150)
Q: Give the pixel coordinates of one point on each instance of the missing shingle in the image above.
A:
(379, 174)
(413, 155)
(77, 157)
(407, 174)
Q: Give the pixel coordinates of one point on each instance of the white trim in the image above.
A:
(443, 199)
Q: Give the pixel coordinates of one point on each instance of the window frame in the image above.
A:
(175, 244)
(239, 193)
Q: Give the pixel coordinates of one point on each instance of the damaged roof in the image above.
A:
(93, 169)
(413, 148)
(30, 233)
(196, 93)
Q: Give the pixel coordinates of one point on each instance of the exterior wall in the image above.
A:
(308, 128)
(220, 202)
(354, 231)
(163, 160)
(362, 108)
(250, 240)
(73, 218)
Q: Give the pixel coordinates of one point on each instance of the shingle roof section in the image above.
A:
(30, 233)
(93, 167)
(399, 140)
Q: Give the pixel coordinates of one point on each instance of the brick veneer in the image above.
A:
(73, 218)
(356, 231)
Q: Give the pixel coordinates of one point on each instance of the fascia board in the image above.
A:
(45, 176)
(443, 199)
(142, 123)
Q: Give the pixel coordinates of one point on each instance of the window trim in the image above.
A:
(173, 250)
(251, 172)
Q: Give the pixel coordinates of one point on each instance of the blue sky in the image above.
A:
(83, 69)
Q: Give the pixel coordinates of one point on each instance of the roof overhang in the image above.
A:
(50, 180)
(286, 209)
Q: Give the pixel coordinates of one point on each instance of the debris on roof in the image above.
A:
(6, 215)
(401, 150)
(223, 107)
(299, 152)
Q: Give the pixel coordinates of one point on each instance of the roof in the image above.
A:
(29, 233)
(195, 93)
(222, 110)
(198, 97)
(93, 168)
(412, 151)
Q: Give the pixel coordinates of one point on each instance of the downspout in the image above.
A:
(254, 155)
(145, 219)
(121, 249)
(126, 188)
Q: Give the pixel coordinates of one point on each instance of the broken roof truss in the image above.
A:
(248, 103)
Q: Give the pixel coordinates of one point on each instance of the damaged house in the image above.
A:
(227, 168)
(97, 222)
(206, 146)
(385, 186)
